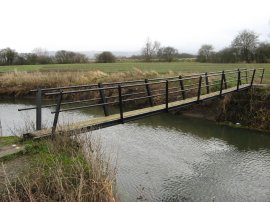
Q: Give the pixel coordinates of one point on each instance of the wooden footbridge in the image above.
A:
(138, 99)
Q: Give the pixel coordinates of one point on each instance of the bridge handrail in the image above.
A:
(183, 89)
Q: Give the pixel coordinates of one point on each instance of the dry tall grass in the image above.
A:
(64, 169)
(20, 83)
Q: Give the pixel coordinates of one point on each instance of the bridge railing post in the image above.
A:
(252, 78)
(167, 95)
(262, 76)
(148, 90)
(224, 79)
(221, 84)
(246, 76)
(39, 109)
(238, 79)
(103, 99)
(121, 104)
(182, 88)
(57, 111)
(207, 83)
(199, 89)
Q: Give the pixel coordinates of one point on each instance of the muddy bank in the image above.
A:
(249, 109)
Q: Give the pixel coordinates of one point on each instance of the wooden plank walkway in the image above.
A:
(115, 119)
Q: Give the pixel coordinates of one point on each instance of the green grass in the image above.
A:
(9, 140)
(161, 67)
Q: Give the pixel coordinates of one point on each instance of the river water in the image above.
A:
(173, 158)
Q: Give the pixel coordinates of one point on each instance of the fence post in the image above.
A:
(57, 111)
(199, 89)
(221, 84)
(207, 83)
(121, 104)
(252, 79)
(182, 87)
(262, 76)
(148, 90)
(103, 99)
(224, 79)
(167, 95)
(38, 109)
(238, 80)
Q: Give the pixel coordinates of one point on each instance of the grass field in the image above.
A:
(160, 67)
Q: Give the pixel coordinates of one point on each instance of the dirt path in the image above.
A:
(11, 149)
(11, 169)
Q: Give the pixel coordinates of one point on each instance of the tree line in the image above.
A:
(9, 56)
(245, 47)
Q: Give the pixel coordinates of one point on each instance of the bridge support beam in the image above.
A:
(57, 111)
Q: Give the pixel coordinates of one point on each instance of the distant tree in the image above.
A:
(42, 56)
(263, 53)
(205, 53)
(185, 55)
(7, 56)
(150, 50)
(69, 57)
(246, 42)
(105, 57)
(227, 55)
(167, 54)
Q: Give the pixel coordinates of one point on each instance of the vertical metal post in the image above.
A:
(182, 87)
(224, 79)
(207, 83)
(238, 79)
(167, 95)
(38, 109)
(148, 90)
(103, 99)
(199, 89)
(262, 76)
(252, 79)
(57, 111)
(121, 103)
(221, 84)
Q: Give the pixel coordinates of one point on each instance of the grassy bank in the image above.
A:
(160, 67)
(250, 109)
(247, 109)
(64, 169)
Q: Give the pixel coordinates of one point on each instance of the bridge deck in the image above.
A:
(102, 122)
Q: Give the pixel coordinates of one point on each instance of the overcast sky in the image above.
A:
(124, 25)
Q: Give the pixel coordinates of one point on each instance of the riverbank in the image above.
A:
(62, 169)
(247, 109)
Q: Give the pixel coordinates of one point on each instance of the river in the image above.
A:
(173, 158)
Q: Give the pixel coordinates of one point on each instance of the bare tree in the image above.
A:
(150, 50)
(167, 54)
(246, 43)
(7, 56)
(205, 53)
